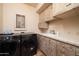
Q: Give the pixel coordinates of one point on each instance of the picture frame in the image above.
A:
(20, 21)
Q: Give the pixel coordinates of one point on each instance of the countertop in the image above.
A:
(17, 34)
(69, 40)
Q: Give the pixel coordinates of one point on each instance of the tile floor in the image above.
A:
(39, 53)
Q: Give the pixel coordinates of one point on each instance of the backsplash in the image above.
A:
(52, 32)
(66, 27)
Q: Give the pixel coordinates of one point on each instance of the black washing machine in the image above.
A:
(18, 45)
(29, 45)
(7, 45)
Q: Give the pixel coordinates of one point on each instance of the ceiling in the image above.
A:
(33, 4)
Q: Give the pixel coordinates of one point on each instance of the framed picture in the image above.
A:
(20, 21)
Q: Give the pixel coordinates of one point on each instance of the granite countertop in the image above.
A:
(69, 40)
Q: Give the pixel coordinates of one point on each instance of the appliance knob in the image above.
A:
(18, 40)
(31, 48)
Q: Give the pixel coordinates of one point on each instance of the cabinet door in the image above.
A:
(60, 50)
(39, 41)
(52, 47)
(42, 43)
(48, 13)
(64, 49)
(69, 50)
(41, 17)
(77, 51)
(69, 6)
(43, 25)
(46, 46)
(59, 8)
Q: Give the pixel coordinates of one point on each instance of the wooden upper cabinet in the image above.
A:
(46, 14)
(43, 25)
(41, 18)
(49, 11)
(59, 8)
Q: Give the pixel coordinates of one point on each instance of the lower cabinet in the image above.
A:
(64, 49)
(44, 44)
(77, 51)
(48, 46)
(41, 43)
(52, 47)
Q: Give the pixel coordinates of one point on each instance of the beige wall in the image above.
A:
(9, 17)
(68, 28)
(1, 11)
